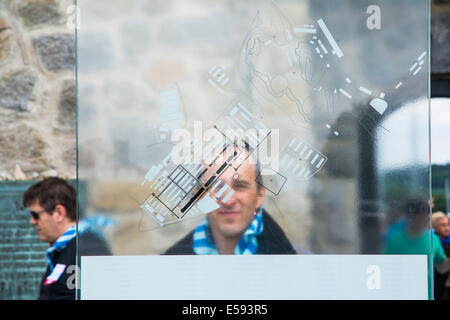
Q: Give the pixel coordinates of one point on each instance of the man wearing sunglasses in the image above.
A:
(52, 206)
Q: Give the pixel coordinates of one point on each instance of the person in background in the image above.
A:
(441, 228)
(52, 206)
(414, 236)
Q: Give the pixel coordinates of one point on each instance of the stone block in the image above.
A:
(440, 38)
(117, 195)
(67, 105)
(6, 38)
(56, 51)
(36, 12)
(69, 156)
(3, 24)
(22, 145)
(16, 89)
(438, 2)
(96, 52)
(49, 173)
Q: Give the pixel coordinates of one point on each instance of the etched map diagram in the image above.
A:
(294, 69)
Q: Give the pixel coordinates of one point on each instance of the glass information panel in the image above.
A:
(293, 131)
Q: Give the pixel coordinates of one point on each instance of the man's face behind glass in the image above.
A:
(45, 224)
(235, 215)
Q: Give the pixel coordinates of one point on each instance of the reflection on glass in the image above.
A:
(328, 101)
(441, 228)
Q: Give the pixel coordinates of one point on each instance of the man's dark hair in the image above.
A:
(50, 192)
(258, 177)
(259, 180)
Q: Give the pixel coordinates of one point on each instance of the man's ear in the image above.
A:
(60, 213)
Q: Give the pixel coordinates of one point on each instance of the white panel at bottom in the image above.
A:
(259, 277)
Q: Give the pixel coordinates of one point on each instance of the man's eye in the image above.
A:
(219, 186)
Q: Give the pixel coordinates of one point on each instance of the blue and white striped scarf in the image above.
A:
(203, 242)
(60, 244)
(92, 224)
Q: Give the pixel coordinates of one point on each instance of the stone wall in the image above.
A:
(37, 84)
(37, 89)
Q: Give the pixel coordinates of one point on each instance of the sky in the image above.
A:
(407, 143)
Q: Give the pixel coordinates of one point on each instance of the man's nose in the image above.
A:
(32, 221)
(228, 199)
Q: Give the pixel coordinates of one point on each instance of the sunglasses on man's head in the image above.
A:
(35, 214)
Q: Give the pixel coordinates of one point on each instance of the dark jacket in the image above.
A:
(89, 244)
(441, 291)
(59, 290)
(271, 241)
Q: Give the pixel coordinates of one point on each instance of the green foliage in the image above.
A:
(438, 175)
(412, 182)
(399, 185)
(439, 201)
